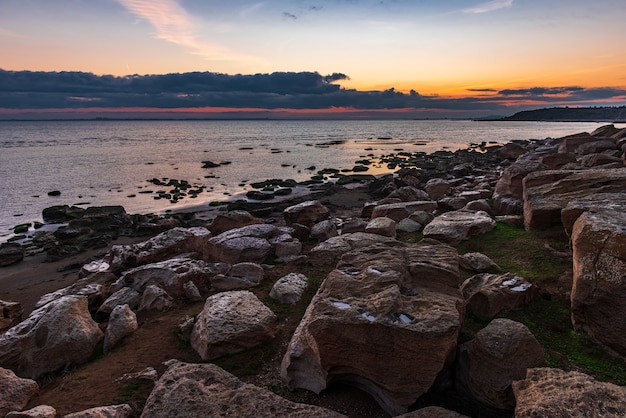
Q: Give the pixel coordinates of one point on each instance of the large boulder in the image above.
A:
(508, 193)
(232, 322)
(598, 297)
(249, 243)
(550, 392)
(15, 392)
(239, 276)
(488, 295)
(59, 334)
(289, 288)
(206, 390)
(165, 245)
(499, 354)
(336, 246)
(594, 202)
(546, 193)
(380, 300)
(456, 226)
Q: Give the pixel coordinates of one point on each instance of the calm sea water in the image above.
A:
(96, 163)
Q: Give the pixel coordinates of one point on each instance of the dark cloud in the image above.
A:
(290, 16)
(279, 90)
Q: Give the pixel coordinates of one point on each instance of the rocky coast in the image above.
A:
(435, 291)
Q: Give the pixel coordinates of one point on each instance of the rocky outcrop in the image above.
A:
(56, 335)
(456, 226)
(488, 295)
(15, 392)
(547, 192)
(599, 289)
(499, 354)
(196, 390)
(550, 392)
(380, 300)
(289, 289)
(232, 322)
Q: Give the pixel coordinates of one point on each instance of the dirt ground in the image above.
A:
(157, 339)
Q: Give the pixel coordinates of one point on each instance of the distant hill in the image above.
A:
(572, 114)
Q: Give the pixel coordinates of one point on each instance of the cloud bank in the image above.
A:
(284, 91)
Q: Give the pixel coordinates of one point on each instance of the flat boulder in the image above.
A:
(15, 392)
(499, 354)
(380, 300)
(165, 245)
(231, 322)
(336, 246)
(57, 335)
(456, 226)
(488, 295)
(205, 390)
(249, 243)
(547, 392)
(598, 298)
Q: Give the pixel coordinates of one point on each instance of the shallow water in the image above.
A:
(96, 163)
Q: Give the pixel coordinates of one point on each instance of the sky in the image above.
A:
(308, 58)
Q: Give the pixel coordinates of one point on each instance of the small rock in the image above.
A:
(289, 289)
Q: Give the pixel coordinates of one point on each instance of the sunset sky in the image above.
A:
(450, 58)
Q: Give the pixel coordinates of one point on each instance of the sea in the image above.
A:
(107, 162)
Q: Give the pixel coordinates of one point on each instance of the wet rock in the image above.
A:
(454, 227)
(499, 354)
(15, 392)
(289, 289)
(56, 335)
(232, 322)
(550, 392)
(487, 294)
(599, 291)
(207, 390)
(400, 299)
(122, 323)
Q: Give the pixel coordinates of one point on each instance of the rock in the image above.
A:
(61, 214)
(15, 392)
(289, 289)
(382, 226)
(97, 266)
(161, 247)
(454, 227)
(124, 296)
(409, 194)
(10, 253)
(192, 294)
(170, 275)
(487, 294)
(111, 411)
(353, 225)
(479, 263)
(595, 202)
(205, 390)
(569, 143)
(323, 230)
(56, 335)
(239, 276)
(122, 323)
(599, 288)
(511, 151)
(437, 188)
(287, 250)
(421, 217)
(155, 298)
(556, 161)
(546, 193)
(232, 322)
(11, 313)
(148, 374)
(306, 213)
(509, 191)
(408, 225)
(380, 300)
(550, 392)
(336, 246)
(248, 243)
(478, 204)
(41, 411)
(399, 211)
(499, 354)
(432, 412)
(231, 220)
